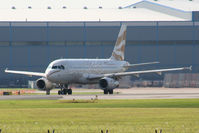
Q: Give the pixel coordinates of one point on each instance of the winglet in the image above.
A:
(188, 68)
(6, 69)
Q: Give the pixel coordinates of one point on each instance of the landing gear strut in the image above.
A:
(108, 91)
(47, 92)
(105, 91)
(64, 90)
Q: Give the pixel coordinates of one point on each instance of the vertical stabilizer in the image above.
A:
(118, 51)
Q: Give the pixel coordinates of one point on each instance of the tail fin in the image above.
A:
(118, 51)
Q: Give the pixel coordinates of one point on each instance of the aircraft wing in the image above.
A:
(26, 73)
(136, 73)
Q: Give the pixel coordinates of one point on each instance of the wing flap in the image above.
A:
(26, 73)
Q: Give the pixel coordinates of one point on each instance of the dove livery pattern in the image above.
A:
(118, 51)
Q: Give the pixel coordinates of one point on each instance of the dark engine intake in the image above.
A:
(108, 83)
(44, 84)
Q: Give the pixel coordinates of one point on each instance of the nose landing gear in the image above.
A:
(47, 92)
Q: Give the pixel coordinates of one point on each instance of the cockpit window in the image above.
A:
(54, 67)
(58, 67)
(62, 67)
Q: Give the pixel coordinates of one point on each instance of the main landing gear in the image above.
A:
(108, 91)
(65, 90)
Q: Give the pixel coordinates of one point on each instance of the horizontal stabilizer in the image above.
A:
(142, 64)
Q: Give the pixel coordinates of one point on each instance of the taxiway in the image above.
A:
(133, 93)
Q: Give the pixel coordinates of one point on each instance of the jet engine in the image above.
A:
(44, 84)
(108, 83)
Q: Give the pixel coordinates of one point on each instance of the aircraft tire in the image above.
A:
(59, 92)
(70, 91)
(64, 91)
(110, 91)
(105, 91)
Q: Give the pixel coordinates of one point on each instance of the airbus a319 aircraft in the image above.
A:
(105, 72)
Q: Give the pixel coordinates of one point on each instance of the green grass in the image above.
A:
(148, 103)
(90, 116)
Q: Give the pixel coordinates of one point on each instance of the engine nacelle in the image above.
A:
(108, 83)
(44, 84)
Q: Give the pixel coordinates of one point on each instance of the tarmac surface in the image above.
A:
(133, 93)
(134, 96)
(30, 97)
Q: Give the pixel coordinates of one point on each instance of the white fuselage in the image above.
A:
(69, 71)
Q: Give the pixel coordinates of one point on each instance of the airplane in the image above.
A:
(105, 72)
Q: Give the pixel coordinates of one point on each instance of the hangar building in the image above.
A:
(34, 33)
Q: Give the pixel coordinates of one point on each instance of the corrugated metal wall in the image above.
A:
(181, 80)
(33, 45)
